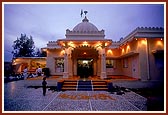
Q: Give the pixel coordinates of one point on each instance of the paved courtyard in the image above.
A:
(18, 97)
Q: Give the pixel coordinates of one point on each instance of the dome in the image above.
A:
(85, 26)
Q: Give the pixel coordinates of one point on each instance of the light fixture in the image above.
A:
(85, 43)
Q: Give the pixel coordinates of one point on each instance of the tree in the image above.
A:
(40, 53)
(37, 52)
(23, 47)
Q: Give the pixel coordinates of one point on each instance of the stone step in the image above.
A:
(85, 85)
(84, 89)
(98, 85)
(68, 88)
(70, 83)
(100, 89)
(67, 85)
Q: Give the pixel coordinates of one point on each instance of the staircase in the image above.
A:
(69, 85)
(87, 85)
(84, 85)
(99, 85)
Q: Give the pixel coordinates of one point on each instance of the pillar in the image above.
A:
(103, 64)
(66, 74)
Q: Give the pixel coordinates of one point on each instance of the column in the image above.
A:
(103, 64)
(66, 74)
(70, 66)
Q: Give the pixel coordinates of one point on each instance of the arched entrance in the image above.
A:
(85, 68)
(84, 61)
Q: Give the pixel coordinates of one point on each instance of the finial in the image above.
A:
(85, 19)
(81, 12)
(85, 12)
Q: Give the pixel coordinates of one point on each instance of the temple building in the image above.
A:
(86, 52)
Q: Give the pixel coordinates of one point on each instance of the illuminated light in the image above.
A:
(136, 39)
(85, 43)
(62, 52)
(127, 48)
(98, 45)
(12, 87)
(44, 49)
(84, 53)
(110, 52)
(85, 61)
(144, 42)
(161, 39)
(105, 44)
(70, 43)
(123, 51)
(159, 43)
(99, 48)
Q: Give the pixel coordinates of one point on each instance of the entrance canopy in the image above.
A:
(84, 53)
(82, 43)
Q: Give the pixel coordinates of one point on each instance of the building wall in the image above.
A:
(143, 59)
(127, 71)
(52, 55)
(120, 54)
(113, 53)
(135, 66)
(31, 63)
(156, 60)
(141, 62)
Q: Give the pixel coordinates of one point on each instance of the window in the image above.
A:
(125, 63)
(109, 63)
(59, 65)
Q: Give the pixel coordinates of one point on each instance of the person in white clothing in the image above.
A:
(39, 71)
(25, 73)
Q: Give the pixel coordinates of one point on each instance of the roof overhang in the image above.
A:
(157, 51)
(77, 43)
(124, 55)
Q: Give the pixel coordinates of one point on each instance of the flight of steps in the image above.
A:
(88, 85)
(99, 85)
(69, 85)
(84, 85)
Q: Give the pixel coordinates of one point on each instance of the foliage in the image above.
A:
(23, 47)
(39, 53)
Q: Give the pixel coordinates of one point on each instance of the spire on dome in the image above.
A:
(85, 19)
(85, 12)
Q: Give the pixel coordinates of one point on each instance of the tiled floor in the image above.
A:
(17, 97)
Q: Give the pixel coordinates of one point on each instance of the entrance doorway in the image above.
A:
(85, 68)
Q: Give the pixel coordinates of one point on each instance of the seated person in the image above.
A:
(39, 71)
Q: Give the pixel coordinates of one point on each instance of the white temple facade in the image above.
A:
(86, 52)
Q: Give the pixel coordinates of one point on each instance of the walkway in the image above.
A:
(17, 97)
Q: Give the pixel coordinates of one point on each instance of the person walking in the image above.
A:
(44, 84)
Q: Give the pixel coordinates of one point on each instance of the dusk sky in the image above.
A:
(48, 22)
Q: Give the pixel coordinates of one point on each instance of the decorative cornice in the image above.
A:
(139, 32)
(53, 45)
(68, 32)
(143, 32)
